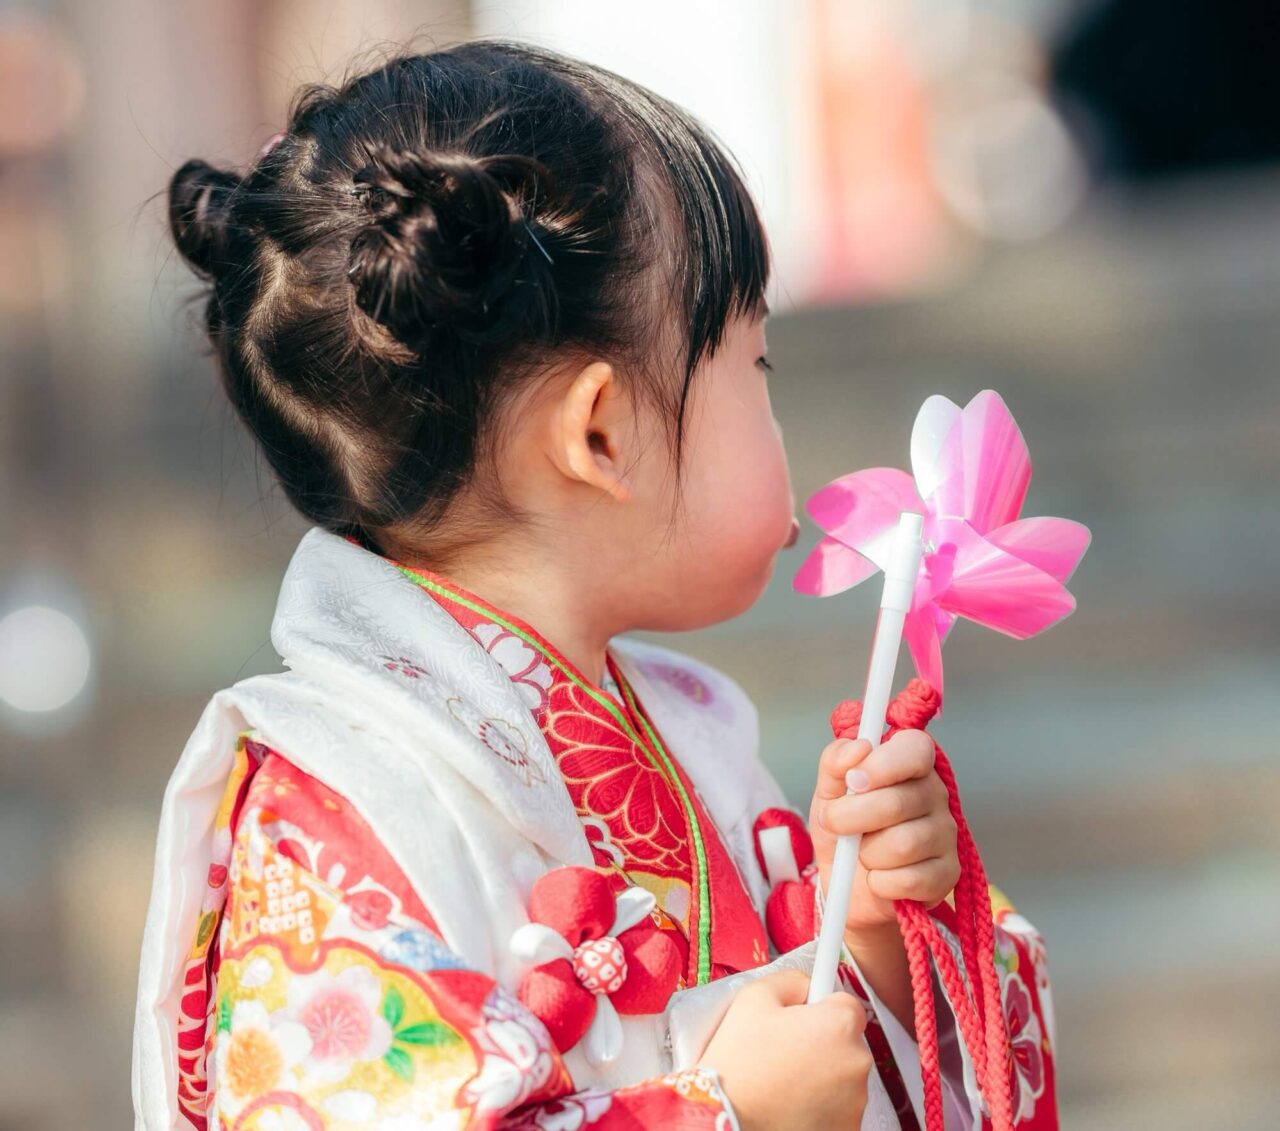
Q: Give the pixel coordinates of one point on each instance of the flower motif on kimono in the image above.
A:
(367, 904)
(571, 1113)
(691, 686)
(598, 836)
(701, 1086)
(403, 666)
(529, 672)
(618, 780)
(215, 895)
(340, 1015)
(594, 957)
(254, 1049)
(1015, 929)
(1024, 1050)
(518, 1058)
(505, 739)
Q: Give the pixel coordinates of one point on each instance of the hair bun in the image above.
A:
(449, 246)
(200, 214)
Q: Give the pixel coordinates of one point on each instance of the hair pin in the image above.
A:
(538, 243)
(271, 142)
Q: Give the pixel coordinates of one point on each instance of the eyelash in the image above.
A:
(764, 364)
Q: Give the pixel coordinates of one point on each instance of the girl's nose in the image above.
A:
(794, 534)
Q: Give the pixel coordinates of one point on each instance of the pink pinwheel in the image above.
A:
(981, 561)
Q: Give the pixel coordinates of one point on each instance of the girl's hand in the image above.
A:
(900, 806)
(786, 1064)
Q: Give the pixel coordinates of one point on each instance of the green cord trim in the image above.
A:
(662, 763)
(704, 882)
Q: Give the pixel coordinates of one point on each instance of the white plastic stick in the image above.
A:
(895, 602)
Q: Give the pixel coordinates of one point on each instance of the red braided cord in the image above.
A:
(913, 709)
(914, 919)
(926, 1027)
(980, 1015)
(979, 933)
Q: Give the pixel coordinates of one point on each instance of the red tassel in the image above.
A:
(980, 1015)
(790, 914)
(790, 911)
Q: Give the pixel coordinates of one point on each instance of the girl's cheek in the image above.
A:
(784, 466)
(779, 487)
(766, 495)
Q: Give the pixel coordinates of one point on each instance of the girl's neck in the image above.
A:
(556, 606)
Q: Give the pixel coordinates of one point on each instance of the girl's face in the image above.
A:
(736, 509)
(634, 545)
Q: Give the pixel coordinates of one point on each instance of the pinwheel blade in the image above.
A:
(831, 567)
(861, 507)
(920, 631)
(985, 466)
(934, 423)
(1054, 545)
(1003, 592)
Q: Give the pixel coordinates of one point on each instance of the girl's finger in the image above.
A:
(911, 842)
(838, 758)
(880, 809)
(908, 754)
(929, 881)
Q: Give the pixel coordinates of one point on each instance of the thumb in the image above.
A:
(838, 758)
(787, 987)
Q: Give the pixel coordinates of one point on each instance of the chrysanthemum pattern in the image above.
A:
(614, 779)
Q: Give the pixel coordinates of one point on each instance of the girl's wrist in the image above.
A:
(873, 938)
(881, 958)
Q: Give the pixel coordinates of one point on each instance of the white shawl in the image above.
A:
(470, 831)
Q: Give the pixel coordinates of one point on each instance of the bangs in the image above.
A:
(724, 248)
(720, 252)
(715, 242)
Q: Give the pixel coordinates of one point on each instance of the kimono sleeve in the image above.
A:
(339, 1006)
(1027, 999)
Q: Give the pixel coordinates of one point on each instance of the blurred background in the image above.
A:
(1077, 204)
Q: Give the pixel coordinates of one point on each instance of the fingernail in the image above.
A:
(857, 781)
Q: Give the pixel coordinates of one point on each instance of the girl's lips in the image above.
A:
(794, 536)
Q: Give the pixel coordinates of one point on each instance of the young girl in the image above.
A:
(496, 318)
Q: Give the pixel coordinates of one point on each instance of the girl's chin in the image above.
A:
(739, 598)
(719, 594)
(726, 602)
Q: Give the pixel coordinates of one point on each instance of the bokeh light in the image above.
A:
(1004, 161)
(41, 84)
(45, 659)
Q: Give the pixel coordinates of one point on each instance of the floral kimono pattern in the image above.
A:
(339, 1006)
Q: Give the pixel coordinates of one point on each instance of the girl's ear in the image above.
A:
(588, 429)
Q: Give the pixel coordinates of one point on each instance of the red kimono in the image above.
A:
(295, 1017)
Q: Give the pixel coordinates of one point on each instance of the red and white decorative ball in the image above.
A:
(601, 965)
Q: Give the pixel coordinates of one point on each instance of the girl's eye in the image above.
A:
(764, 364)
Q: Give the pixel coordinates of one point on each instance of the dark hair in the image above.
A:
(425, 237)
